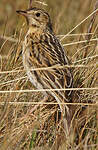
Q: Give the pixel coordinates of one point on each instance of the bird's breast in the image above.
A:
(30, 64)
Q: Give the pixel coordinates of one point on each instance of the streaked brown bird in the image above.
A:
(41, 48)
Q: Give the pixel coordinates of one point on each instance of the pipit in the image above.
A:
(42, 49)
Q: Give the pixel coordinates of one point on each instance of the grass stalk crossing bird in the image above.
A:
(41, 48)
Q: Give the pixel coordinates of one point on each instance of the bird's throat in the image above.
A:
(35, 30)
(34, 33)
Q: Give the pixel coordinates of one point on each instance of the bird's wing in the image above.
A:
(49, 53)
(53, 54)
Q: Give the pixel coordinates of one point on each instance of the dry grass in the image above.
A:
(27, 126)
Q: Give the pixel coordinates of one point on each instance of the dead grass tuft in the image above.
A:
(37, 126)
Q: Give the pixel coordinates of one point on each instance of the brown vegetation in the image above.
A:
(25, 124)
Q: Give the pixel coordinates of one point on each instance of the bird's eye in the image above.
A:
(38, 14)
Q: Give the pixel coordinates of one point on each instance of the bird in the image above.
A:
(42, 49)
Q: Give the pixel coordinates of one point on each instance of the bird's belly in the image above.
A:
(29, 70)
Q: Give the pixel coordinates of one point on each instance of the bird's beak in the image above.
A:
(21, 12)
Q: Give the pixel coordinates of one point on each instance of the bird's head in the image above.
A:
(37, 18)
